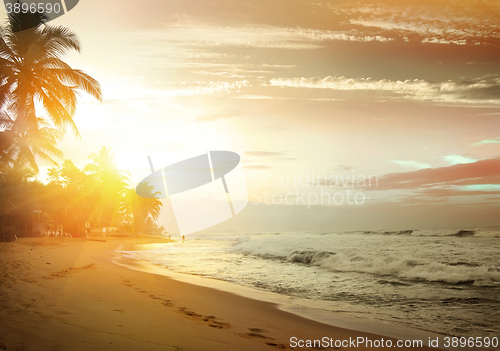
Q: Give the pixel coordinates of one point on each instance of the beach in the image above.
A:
(68, 294)
(250, 175)
(385, 282)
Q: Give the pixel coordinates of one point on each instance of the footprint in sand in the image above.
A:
(63, 312)
(210, 320)
(189, 313)
(63, 273)
(165, 302)
(257, 333)
(278, 346)
(219, 325)
(127, 283)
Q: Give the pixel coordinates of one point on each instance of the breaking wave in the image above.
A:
(489, 233)
(405, 268)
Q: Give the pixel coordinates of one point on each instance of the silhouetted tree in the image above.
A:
(111, 182)
(139, 209)
(31, 70)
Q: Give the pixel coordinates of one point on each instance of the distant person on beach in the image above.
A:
(183, 238)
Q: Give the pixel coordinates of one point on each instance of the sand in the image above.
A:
(67, 294)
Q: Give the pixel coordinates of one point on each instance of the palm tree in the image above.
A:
(139, 208)
(5, 126)
(29, 144)
(71, 196)
(113, 182)
(31, 71)
(15, 191)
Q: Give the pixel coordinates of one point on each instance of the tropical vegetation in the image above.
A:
(38, 100)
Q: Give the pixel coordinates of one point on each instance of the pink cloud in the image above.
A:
(480, 172)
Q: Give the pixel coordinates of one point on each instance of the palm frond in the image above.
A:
(79, 80)
(6, 51)
(58, 41)
(67, 96)
(57, 112)
(31, 70)
(50, 62)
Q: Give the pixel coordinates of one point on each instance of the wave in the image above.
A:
(488, 233)
(405, 268)
(412, 269)
(391, 232)
(461, 233)
(308, 257)
(464, 233)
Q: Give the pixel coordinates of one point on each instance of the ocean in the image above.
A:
(441, 280)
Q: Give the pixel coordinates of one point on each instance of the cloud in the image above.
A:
(277, 156)
(202, 87)
(475, 90)
(442, 193)
(428, 195)
(264, 153)
(126, 89)
(198, 45)
(259, 36)
(260, 97)
(225, 51)
(488, 141)
(224, 74)
(457, 159)
(479, 172)
(435, 23)
(342, 167)
(489, 114)
(435, 40)
(482, 187)
(257, 167)
(411, 164)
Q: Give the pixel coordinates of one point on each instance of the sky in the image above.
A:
(347, 115)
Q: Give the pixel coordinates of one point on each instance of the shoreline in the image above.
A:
(282, 302)
(68, 294)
